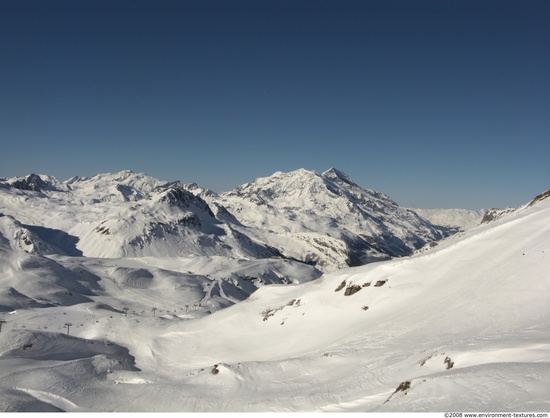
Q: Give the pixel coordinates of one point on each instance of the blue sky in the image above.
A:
(435, 103)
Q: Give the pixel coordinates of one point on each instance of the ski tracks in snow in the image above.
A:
(52, 399)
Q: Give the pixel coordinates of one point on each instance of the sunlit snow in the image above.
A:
(464, 324)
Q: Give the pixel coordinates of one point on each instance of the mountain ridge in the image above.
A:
(323, 219)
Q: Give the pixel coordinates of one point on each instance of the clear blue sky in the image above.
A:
(439, 103)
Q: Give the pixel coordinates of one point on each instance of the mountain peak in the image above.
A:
(278, 175)
(35, 182)
(327, 219)
(125, 183)
(336, 175)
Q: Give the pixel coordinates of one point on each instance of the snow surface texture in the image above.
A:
(461, 325)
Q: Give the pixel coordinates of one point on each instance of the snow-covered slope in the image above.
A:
(462, 326)
(451, 322)
(327, 219)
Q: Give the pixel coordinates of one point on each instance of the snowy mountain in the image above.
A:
(461, 326)
(128, 216)
(325, 220)
(123, 215)
(328, 220)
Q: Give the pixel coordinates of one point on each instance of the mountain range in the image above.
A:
(296, 292)
(325, 220)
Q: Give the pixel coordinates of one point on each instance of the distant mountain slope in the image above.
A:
(453, 218)
(327, 219)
